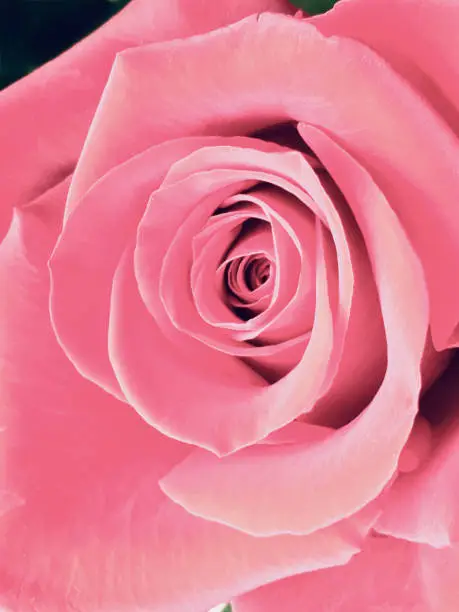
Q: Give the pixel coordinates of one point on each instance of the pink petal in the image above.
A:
(406, 33)
(302, 488)
(275, 361)
(418, 446)
(207, 285)
(175, 265)
(293, 228)
(369, 361)
(92, 263)
(176, 278)
(385, 576)
(207, 275)
(45, 117)
(439, 570)
(162, 23)
(199, 563)
(423, 504)
(238, 406)
(292, 173)
(417, 52)
(94, 532)
(203, 407)
(403, 144)
(89, 249)
(9, 501)
(81, 461)
(359, 359)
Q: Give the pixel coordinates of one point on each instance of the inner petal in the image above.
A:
(246, 275)
(163, 252)
(293, 273)
(248, 284)
(217, 276)
(257, 273)
(288, 212)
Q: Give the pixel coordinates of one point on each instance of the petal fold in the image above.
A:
(422, 505)
(303, 488)
(64, 93)
(94, 531)
(385, 576)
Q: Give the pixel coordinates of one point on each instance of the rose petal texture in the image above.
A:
(428, 62)
(322, 488)
(45, 116)
(85, 525)
(388, 575)
(226, 430)
(238, 414)
(422, 505)
(127, 73)
(370, 131)
(161, 154)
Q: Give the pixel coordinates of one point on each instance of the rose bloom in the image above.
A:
(229, 305)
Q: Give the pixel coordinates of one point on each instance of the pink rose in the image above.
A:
(230, 307)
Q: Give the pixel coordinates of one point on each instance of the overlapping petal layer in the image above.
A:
(401, 166)
(304, 487)
(428, 62)
(384, 576)
(108, 534)
(89, 528)
(89, 249)
(423, 505)
(80, 316)
(388, 575)
(45, 117)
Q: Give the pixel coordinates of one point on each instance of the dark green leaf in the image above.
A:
(313, 7)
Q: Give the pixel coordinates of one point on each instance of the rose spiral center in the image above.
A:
(247, 274)
(257, 272)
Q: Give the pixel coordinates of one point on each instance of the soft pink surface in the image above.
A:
(51, 109)
(423, 505)
(323, 486)
(86, 525)
(158, 451)
(419, 39)
(389, 575)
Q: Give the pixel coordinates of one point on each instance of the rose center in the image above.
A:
(257, 272)
(244, 275)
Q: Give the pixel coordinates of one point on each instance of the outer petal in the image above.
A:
(357, 320)
(406, 33)
(423, 506)
(304, 487)
(89, 249)
(391, 129)
(291, 270)
(45, 116)
(384, 577)
(238, 405)
(439, 573)
(94, 532)
(419, 39)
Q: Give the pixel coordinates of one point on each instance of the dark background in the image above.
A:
(34, 31)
